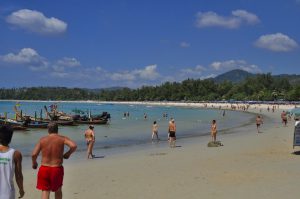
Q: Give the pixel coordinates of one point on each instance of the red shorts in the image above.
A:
(50, 178)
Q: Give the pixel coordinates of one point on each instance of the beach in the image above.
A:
(249, 165)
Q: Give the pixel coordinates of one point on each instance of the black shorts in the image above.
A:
(172, 134)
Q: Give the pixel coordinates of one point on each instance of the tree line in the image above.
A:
(259, 87)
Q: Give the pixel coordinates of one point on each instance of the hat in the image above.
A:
(91, 126)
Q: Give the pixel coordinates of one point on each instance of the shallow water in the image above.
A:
(122, 132)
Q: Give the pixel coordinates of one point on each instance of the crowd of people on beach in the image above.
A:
(51, 172)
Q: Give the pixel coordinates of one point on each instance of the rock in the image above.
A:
(214, 144)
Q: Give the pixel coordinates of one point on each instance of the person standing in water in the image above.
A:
(172, 133)
(155, 131)
(259, 122)
(90, 141)
(10, 165)
(213, 131)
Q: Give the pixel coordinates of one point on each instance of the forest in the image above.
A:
(262, 87)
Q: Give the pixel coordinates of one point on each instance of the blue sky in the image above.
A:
(96, 44)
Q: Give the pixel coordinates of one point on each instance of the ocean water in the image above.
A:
(123, 132)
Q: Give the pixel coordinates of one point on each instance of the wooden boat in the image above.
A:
(92, 119)
(94, 122)
(10, 122)
(61, 122)
(36, 124)
(13, 124)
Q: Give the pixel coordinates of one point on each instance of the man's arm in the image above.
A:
(35, 154)
(18, 172)
(93, 134)
(72, 145)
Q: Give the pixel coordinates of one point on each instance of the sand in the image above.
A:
(249, 165)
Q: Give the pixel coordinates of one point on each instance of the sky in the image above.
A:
(131, 43)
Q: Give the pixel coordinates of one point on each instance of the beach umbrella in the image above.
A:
(295, 111)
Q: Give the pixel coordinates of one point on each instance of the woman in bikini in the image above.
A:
(155, 131)
(90, 140)
(214, 131)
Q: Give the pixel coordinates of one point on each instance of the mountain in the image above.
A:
(237, 75)
(234, 76)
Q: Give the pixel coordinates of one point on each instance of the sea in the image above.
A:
(124, 133)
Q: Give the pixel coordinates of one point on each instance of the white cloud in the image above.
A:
(248, 17)
(64, 63)
(122, 76)
(238, 17)
(69, 62)
(208, 76)
(197, 70)
(38, 68)
(184, 44)
(59, 74)
(235, 64)
(28, 57)
(277, 42)
(36, 22)
(148, 73)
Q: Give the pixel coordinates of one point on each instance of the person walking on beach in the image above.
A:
(259, 122)
(155, 131)
(213, 130)
(172, 133)
(90, 141)
(10, 165)
(51, 172)
(284, 118)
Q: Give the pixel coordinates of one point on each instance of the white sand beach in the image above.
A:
(249, 165)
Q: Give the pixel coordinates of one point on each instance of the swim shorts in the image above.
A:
(50, 178)
(172, 134)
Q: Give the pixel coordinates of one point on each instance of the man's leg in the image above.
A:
(58, 194)
(45, 194)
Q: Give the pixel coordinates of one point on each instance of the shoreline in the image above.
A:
(170, 103)
(147, 145)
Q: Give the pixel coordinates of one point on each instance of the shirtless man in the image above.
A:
(284, 118)
(51, 171)
(10, 165)
(172, 132)
(90, 140)
(259, 121)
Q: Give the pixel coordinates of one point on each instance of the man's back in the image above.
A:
(7, 189)
(52, 147)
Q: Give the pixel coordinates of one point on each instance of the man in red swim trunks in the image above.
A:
(51, 171)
